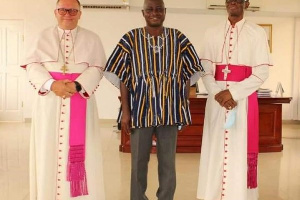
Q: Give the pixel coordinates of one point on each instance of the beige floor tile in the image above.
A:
(279, 173)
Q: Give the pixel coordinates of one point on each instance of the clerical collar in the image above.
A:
(61, 32)
(238, 25)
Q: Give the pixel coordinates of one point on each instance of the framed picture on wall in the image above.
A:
(268, 29)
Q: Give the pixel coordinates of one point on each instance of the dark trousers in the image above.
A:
(141, 143)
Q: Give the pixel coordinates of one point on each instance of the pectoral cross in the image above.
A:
(64, 69)
(226, 71)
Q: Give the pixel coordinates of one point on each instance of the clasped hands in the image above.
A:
(63, 88)
(225, 99)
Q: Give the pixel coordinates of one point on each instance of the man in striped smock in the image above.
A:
(153, 66)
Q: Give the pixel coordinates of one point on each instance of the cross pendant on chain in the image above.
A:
(226, 71)
(64, 69)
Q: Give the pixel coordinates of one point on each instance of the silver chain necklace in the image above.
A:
(160, 41)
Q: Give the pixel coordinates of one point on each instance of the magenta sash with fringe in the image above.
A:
(76, 173)
(237, 74)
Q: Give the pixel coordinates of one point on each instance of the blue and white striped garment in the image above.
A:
(155, 71)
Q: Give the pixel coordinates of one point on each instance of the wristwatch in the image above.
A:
(78, 86)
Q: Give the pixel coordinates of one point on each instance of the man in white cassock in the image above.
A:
(65, 65)
(236, 60)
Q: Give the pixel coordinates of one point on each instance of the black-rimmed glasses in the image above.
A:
(64, 11)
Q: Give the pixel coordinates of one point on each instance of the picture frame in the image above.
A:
(268, 28)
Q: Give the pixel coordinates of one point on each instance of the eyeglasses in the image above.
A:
(157, 10)
(64, 11)
(237, 1)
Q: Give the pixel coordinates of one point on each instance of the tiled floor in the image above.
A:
(279, 173)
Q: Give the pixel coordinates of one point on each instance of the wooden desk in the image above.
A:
(189, 140)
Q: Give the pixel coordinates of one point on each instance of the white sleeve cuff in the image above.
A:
(47, 85)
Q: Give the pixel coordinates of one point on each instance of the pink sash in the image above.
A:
(237, 74)
(76, 173)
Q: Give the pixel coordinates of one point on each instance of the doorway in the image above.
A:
(11, 47)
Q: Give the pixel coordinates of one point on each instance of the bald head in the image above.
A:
(157, 1)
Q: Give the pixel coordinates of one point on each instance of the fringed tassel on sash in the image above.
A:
(76, 173)
(252, 170)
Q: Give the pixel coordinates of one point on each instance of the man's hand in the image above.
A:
(126, 115)
(60, 88)
(72, 87)
(224, 98)
(230, 104)
(125, 122)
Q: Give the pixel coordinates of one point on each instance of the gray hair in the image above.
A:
(76, 0)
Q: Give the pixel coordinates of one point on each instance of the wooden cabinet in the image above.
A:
(270, 123)
(190, 138)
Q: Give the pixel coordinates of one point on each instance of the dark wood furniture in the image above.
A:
(189, 139)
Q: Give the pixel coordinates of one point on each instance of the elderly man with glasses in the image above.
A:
(64, 66)
(236, 60)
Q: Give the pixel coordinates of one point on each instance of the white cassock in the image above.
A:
(49, 143)
(223, 162)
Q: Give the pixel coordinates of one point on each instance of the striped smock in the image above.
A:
(155, 70)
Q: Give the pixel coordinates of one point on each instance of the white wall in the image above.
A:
(111, 25)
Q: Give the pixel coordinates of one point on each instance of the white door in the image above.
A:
(11, 45)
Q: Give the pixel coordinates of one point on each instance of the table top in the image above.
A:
(260, 99)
